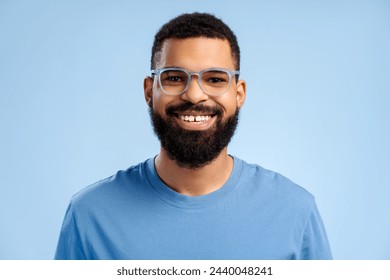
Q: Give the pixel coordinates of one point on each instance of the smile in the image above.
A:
(191, 118)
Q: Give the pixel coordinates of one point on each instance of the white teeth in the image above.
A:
(195, 118)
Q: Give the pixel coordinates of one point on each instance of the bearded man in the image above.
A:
(194, 200)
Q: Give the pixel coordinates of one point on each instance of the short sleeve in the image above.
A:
(315, 244)
(69, 245)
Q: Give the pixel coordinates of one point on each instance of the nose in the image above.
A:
(194, 93)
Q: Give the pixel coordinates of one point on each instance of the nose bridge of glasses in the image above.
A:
(199, 78)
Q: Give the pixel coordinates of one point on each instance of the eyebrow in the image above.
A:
(183, 68)
(169, 66)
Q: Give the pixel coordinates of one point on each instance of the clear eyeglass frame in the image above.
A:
(230, 73)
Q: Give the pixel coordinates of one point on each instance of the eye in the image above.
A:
(215, 78)
(172, 77)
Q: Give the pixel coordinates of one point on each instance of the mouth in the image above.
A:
(194, 118)
(195, 121)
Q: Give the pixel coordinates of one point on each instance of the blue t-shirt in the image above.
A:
(256, 214)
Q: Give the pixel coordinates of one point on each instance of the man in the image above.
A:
(194, 200)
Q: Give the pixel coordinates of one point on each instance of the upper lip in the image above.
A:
(195, 113)
(193, 110)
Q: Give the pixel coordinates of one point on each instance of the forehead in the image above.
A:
(195, 54)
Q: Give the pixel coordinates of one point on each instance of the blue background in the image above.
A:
(72, 109)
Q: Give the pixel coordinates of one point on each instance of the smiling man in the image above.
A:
(194, 113)
(194, 200)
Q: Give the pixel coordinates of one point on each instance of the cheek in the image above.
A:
(228, 102)
(161, 101)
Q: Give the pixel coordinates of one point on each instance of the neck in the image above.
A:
(194, 182)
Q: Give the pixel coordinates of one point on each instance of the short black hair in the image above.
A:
(193, 26)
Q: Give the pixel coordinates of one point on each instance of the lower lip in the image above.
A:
(196, 125)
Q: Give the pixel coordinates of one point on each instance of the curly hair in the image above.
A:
(193, 26)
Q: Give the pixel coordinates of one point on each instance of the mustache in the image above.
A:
(200, 108)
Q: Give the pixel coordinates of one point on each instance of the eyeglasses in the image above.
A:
(212, 81)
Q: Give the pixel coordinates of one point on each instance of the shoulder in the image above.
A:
(111, 189)
(275, 186)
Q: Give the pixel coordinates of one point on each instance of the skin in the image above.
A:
(195, 54)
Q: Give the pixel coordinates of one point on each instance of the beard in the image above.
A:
(190, 148)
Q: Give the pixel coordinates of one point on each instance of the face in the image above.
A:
(193, 127)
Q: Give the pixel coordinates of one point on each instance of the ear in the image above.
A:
(241, 93)
(148, 89)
